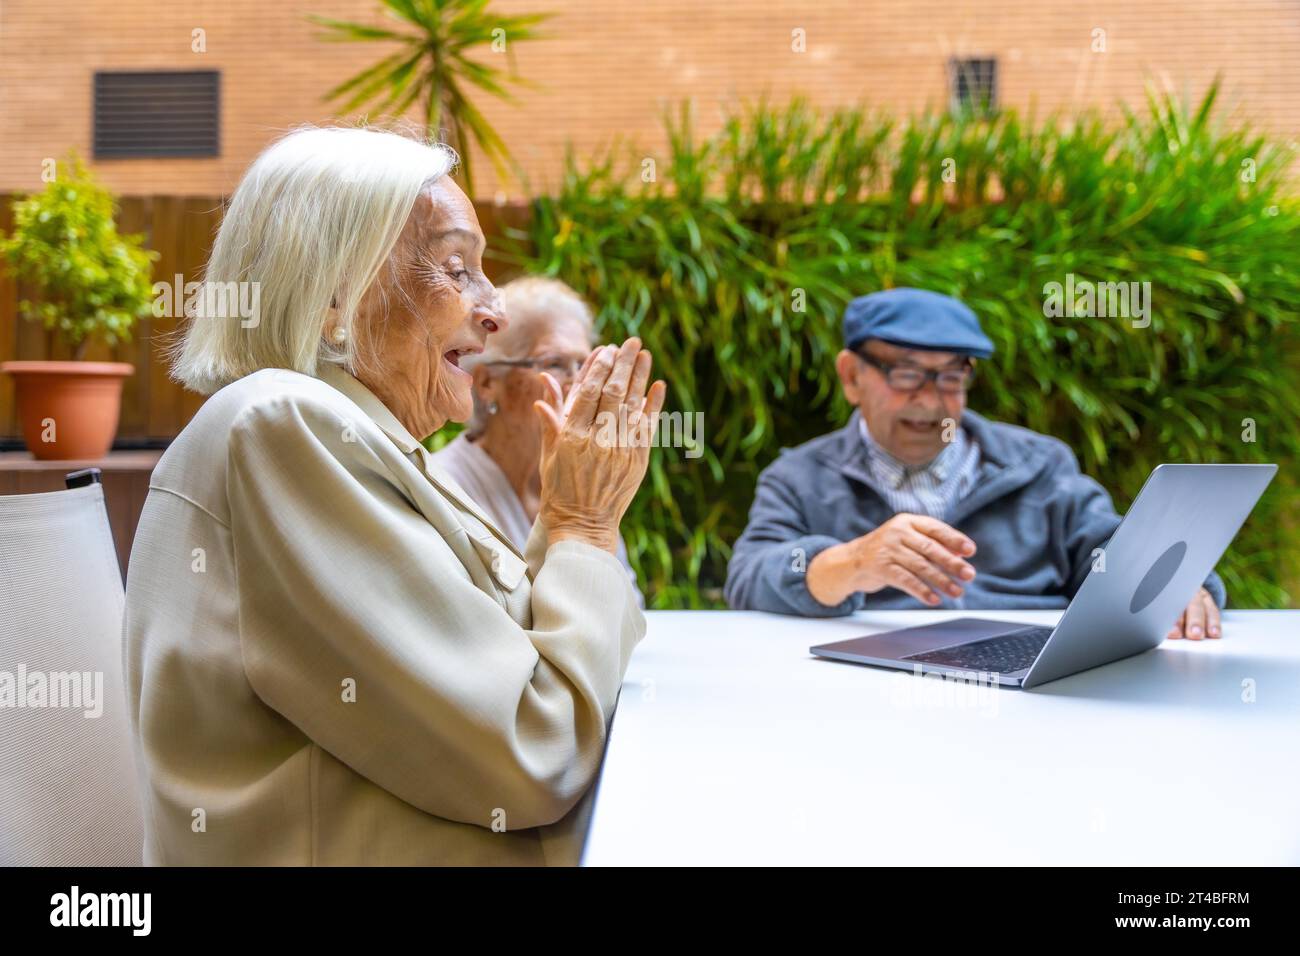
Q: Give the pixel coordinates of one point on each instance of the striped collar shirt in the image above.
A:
(930, 489)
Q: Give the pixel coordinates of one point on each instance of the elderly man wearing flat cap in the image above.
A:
(918, 501)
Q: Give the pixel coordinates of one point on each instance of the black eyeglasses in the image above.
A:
(561, 368)
(912, 378)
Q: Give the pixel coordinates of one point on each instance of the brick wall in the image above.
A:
(612, 65)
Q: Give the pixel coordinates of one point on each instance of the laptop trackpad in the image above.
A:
(892, 645)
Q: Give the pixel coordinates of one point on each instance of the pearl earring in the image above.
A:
(493, 408)
(340, 335)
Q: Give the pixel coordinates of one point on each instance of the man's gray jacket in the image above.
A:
(1034, 517)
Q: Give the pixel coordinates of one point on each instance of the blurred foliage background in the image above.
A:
(708, 252)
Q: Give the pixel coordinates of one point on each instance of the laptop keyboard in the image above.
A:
(999, 655)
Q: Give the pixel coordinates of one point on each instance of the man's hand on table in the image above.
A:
(1200, 619)
(921, 555)
(914, 553)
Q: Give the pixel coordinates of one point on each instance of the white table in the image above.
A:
(733, 745)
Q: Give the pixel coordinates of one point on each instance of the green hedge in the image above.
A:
(708, 260)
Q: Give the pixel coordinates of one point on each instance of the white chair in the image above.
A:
(69, 795)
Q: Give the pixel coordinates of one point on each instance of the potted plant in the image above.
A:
(92, 284)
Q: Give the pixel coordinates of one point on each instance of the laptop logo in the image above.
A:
(1158, 578)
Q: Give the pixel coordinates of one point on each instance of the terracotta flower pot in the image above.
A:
(68, 409)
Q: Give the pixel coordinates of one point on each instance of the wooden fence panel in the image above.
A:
(8, 331)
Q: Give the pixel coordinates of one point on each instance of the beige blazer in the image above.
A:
(333, 657)
(474, 470)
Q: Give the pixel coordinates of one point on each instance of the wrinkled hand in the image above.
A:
(917, 554)
(1200, 619)
(596, 444)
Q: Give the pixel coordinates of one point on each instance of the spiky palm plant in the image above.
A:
(434, 68)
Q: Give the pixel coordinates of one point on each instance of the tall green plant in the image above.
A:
(435, 66)
(735, 267)
(91, 283)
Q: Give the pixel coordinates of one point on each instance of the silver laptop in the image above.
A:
(1183, 520)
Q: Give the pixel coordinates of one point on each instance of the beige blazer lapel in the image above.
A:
(508, 571)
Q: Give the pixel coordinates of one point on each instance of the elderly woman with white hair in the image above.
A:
(497, 458)
(333, 654)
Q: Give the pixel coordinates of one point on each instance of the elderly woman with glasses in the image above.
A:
(496, 459)
(333, 655)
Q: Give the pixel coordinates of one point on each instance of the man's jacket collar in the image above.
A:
(1005, 464)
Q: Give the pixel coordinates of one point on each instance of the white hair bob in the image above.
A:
(312, 223)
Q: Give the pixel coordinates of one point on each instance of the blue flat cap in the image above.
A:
(915, 319)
